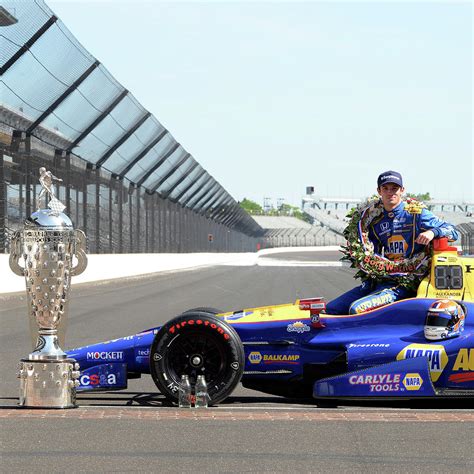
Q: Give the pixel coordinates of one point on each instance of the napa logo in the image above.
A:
(412, 381)
(396, 247)
(255, 357)
(464, 360)
(436, 355)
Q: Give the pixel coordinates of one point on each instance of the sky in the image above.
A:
(271, 97)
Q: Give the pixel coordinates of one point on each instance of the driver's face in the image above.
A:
(391, 195)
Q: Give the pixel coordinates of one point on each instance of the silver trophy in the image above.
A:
(47, 245)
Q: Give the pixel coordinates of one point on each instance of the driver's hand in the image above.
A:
(425, 237)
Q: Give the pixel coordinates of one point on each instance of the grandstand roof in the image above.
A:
(54, 89)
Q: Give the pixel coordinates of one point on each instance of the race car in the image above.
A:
(417, 347)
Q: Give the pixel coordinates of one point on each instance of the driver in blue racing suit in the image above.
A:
(396, 234)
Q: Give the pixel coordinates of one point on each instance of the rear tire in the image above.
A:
(197, 343)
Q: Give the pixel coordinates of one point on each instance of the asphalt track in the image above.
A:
(135, 431)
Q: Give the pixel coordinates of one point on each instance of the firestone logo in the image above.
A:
(105, 355)
(199, 322)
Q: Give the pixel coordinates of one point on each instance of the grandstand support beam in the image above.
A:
(63, 96)
(184, 191)
(99, 119)
(119, 188)
(51, 21)
(195, 206)
(158, 164)
(142, 153)
(180, 180)
(171, 172)
(122, 139)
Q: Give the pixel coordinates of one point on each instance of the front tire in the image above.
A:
(197, 343)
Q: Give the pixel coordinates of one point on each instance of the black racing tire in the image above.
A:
(197, 343)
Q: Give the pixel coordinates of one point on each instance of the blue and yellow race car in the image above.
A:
(418, 347)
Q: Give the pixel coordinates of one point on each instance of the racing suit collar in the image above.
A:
(395, 212)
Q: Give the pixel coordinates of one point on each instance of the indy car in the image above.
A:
(417, 347)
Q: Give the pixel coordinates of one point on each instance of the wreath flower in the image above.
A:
(360, 251)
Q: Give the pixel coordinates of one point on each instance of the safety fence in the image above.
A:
(126, 181)
(116, 216)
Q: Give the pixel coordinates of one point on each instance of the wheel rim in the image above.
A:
(196, 353)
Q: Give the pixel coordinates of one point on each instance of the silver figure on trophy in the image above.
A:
(47, 244)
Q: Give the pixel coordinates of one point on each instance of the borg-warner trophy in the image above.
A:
(47, 244)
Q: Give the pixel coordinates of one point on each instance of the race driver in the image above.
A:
(397, 234)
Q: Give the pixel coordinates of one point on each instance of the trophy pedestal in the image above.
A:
(48, 384)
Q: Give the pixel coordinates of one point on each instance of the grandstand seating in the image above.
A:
(291, 232)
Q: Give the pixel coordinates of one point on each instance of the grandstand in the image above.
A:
(287, 231)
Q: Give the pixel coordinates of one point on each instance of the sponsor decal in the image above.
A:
(369, 345)
(298, 327)
(157, 357)
(396, 247)
(373, 302)
(105, 355)
(442, 259)
(384, 226)
(143, 352)
(281, 358)
(447, 293)
(173, 387)
(412, 381)
(378, 382)
(315, 319)
(235, 316)
(235, 365)
(464, 365)
(436, 355)
(198, 322)
(255, 357)
(96, 379)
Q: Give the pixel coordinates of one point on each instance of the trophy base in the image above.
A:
(48, 384)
